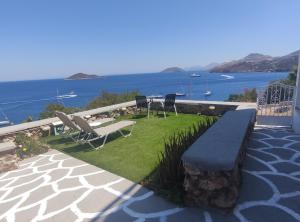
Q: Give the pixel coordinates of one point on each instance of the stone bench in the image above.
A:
(8, 157)
(212, 163)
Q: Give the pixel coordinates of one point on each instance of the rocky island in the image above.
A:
(256, 62)
(81, 76)
(173, 70)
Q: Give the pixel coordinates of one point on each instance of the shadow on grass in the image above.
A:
(73, 147)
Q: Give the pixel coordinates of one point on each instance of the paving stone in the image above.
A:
(256, 144)
(188, 214)
(25, 179)
(101, 178)
(17, 173)
(129, 188)
(277, 142)
(252, 164)
(151, 204)
(68, 183)
(247, 192)
(58, 174)
(60, 156)
(98, 201)
(286, 167)
(4, 207)
(26, 188)
(267, 213)
(84, 170)
(292, 203)
(38, 195)
(263, 156)
(283, 153)
(67, 215)
(283, 183)
(48, 167)
(72, 162)
(295, 146)
(28, 214)
(119, 216)
(42, 161)
(63, 199)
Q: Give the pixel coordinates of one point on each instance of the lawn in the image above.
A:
(133, 157)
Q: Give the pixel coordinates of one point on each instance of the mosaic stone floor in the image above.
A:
(57, 187)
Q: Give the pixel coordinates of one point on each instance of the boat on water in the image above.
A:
(155, 96)
(66, 96)
(195, 75)
(228, 76)
(6, 121)
(207, 93)
(180, 94)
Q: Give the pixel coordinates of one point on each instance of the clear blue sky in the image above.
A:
(55, 38)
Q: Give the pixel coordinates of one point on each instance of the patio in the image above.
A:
(57, 187)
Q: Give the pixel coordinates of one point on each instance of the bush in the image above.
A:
(52, 107)
(106, 99)
(168, 177)
(29, 146)
(249, 95)
(291, 79)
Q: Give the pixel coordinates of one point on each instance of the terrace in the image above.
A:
(74, 182)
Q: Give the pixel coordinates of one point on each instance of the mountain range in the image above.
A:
(256, 62)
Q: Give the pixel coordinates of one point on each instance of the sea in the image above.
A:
(21, 99)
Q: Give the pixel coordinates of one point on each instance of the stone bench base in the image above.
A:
(215, 187)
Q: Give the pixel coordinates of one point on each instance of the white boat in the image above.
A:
(228, 76)
(207, 93)
(66, 96)
(195, 75)
(5, 123)
(180, 94)
(155, 96)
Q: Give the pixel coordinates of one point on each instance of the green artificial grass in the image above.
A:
(134, 157)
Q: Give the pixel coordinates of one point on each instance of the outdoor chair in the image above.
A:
(141, 102)
(67, 122)
(92, 134)
(75, 131)
(168, 103)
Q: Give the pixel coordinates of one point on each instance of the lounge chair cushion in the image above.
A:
(113, 127)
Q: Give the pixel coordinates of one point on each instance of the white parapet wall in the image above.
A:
(35, 124)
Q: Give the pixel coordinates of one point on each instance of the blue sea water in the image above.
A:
(20, 99)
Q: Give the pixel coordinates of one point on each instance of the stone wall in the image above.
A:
(218, 189)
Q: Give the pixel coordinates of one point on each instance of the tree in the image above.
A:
(52, 107)
(291, 79)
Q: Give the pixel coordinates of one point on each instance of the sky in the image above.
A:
(56, 38)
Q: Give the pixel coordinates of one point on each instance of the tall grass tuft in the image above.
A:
(170, 172)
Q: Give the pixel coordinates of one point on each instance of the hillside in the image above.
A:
(81, 76)
(172, 70)
(256, 62)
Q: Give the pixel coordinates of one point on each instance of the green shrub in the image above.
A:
(107, 98)
(52, 107)
(291, 79)
(168, 177)
(249, 95)
(29, 146)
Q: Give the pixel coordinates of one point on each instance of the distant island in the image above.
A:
(256, 62)
(81, 76)
(172, 70)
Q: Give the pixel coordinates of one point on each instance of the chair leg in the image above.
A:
(104, 141)
(129, 134)
(148, 110)
(175, 110)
